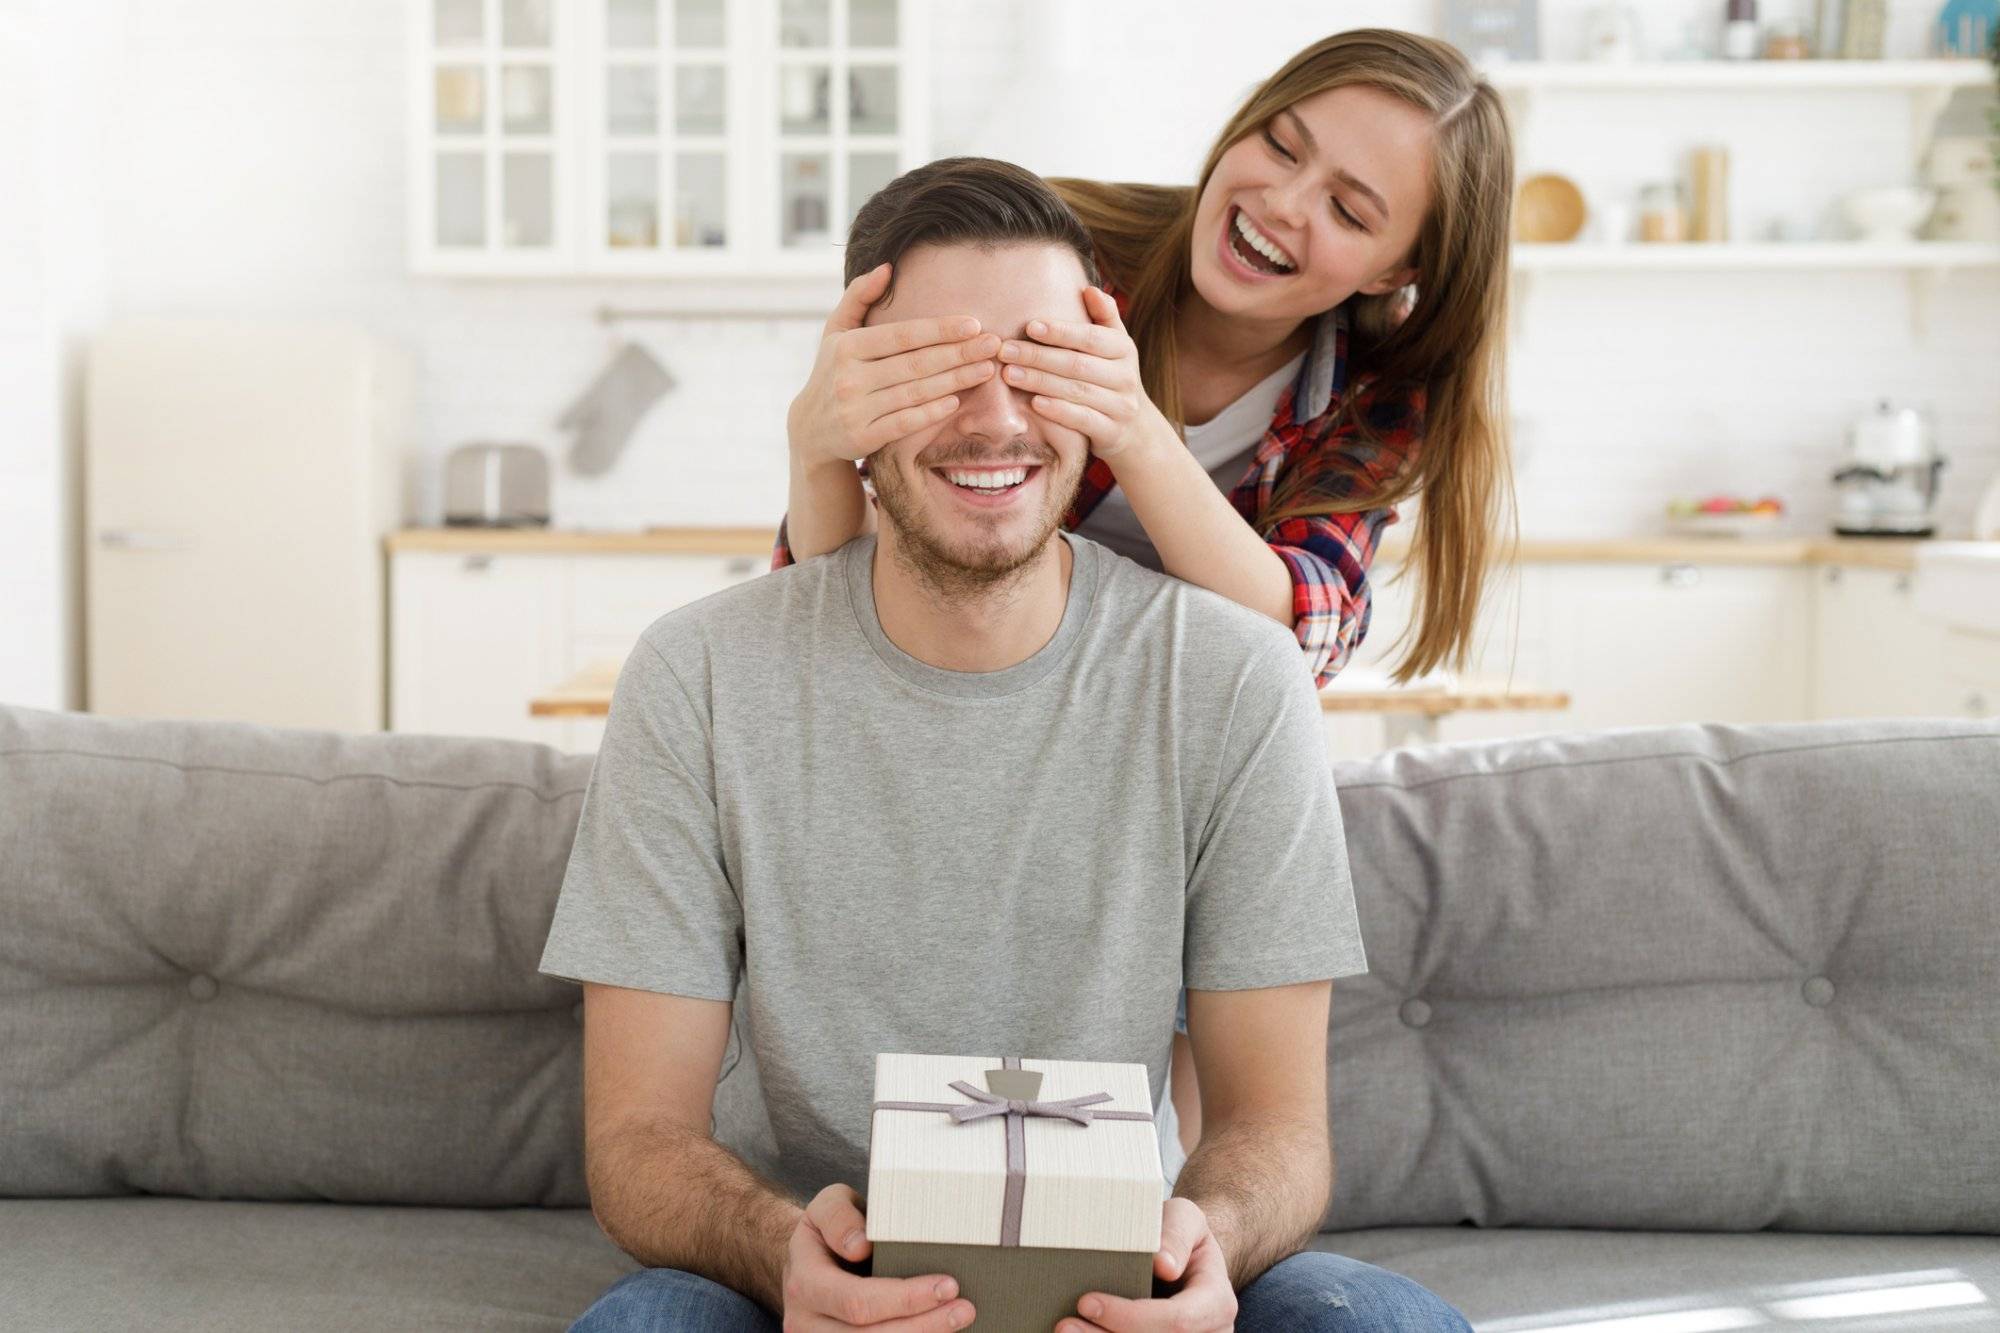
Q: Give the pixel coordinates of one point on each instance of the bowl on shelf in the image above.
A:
(1549, 209)
(1723, 525)
(1725, 516)
(1889, 215)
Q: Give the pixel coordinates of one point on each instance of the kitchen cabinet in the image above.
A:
(1967, 683)
(1645, 644)
(1638, 632)
(474, 635)
(1873, 654)
(1633, 643)
(493, 136)
(657, 137)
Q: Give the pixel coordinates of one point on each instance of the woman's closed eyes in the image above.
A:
(1347, 218)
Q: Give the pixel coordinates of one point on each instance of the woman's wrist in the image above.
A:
(1145, 451)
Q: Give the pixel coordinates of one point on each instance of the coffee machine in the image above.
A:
(1888, 480)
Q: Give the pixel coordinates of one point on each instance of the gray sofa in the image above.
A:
(1666, 1029)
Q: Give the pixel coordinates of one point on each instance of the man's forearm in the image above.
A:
(675, 1199)
(1263, 1185)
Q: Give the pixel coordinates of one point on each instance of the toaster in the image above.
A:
(496, 486)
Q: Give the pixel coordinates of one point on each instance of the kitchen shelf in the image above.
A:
(1927, 85)
(1639, 255)
(1738, 75)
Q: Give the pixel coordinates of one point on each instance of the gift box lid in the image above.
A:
(1056, 1183)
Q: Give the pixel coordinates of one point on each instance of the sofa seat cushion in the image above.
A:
(165, 1263)
(1518, 1279)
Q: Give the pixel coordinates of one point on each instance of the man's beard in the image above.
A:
(958, 567)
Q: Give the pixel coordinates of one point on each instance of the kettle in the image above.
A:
(1888, 481)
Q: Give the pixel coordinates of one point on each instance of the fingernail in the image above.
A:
(1038, 328)
(967, 327)
(1009, 350)
(1091, 1307)
(945, 1291)
(853, 1241)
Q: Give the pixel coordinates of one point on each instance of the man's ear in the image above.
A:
(1394, 280)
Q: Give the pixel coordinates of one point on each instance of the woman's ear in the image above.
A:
(1390, 281)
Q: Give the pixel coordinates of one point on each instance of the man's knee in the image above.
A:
(663, 1298)
(1319, 1290)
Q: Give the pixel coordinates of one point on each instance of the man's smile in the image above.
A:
(987, 487)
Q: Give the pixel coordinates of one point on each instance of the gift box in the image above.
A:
(1029, 1181)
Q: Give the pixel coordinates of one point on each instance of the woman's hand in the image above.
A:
(882, 383)
(1087, 378)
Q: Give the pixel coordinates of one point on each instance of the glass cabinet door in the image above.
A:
(492, 130)
(837, 107)
(660, 180)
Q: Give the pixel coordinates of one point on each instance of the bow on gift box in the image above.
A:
(984, 1104)
(1012, 1094)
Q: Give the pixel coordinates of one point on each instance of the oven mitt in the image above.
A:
(606, 413)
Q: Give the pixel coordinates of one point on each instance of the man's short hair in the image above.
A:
(962, 201)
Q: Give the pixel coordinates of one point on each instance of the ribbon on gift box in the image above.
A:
(1017, 1110)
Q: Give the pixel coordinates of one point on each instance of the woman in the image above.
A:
(1308, 335)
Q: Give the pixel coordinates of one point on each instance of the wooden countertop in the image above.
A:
(1878, 553)
(588, 694)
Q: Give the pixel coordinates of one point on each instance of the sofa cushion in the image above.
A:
(1676, 978)
(221, 1267)
(239, 961)
(1528, 1280)
(199, 1264)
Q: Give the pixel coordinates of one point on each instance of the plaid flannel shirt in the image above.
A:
(1327, 555)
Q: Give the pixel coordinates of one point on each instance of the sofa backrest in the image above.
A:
(1679, 978)
(247, 962)
(1715, 977)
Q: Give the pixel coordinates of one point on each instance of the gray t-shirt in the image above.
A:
(868, 853)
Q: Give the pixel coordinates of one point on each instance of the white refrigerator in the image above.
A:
(240, 475)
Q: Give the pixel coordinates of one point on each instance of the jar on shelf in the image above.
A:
(1785, 39)
(1662, 215)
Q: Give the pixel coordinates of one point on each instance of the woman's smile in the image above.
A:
(1246, 253)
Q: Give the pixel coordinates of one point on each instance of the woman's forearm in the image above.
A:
(1198, 533)
(826, 508)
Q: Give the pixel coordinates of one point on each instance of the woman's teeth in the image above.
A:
(990, 482)
(1261, 243)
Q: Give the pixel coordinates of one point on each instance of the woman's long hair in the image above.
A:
(1450, 342)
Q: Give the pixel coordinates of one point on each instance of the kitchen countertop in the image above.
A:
(1877, 553)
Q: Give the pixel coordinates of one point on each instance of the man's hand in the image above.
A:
(820, 1294)
(1206, 1301)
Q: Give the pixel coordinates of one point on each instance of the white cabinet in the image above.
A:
(1651, 644)
(1633, 644)
(1874, 655)
(472, 638)
(493, 136)
(661, 137)
(475, 635)
(1967, 683)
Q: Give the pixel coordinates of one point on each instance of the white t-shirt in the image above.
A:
(1222, 445)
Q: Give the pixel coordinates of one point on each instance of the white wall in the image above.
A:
(252, 159)
(52, 292)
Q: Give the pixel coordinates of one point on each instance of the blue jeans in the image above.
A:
(1312, 1290)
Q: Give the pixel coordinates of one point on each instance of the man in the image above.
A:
(966, 785)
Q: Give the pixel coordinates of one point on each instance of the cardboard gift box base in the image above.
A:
(1022, 1287)
(1040, 1188)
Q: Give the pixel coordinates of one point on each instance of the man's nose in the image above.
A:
(992, 409)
